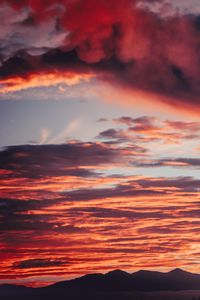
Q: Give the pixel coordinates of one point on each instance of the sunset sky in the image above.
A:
(99, 137)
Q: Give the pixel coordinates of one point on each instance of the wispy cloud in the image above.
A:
(67, 133)
(45, 134)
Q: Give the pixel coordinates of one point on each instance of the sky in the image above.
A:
(99, 138)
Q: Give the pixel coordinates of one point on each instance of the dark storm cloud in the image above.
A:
(134, 45)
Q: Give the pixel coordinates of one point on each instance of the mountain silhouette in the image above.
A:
(93, 285)
(176, 279)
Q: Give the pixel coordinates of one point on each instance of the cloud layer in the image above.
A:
(85, 206)
(127, 41)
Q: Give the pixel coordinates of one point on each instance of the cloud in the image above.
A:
(142, 215)
(171, 162)
(102, 120)
(117, 191)
(183, 184)
(45, 133)
(45, 79)
(122, 42)
(39, 263)
(137, 143)
(150, 129)
(116, 134)
(190, 127)
(72, 158)
(139, 122)
(66, 132)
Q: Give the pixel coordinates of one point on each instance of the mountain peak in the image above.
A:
(177, 271)
(117, 272)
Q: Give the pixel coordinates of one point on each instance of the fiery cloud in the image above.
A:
(126, 40)
(13, 84)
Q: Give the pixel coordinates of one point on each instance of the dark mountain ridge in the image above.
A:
(114, 281)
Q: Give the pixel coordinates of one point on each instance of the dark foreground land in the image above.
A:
(116, 285)
(180, 295)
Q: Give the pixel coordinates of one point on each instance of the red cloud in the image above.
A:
(140, 48)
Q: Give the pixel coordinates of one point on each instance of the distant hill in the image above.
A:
(102, 286)
(174, 280)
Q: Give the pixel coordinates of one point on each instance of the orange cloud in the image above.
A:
(44, 79)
